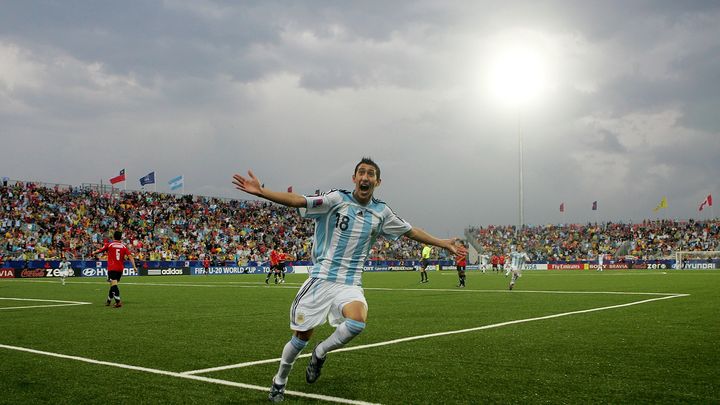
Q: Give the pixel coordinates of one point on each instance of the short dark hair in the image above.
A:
(117, 235)
(368, 161)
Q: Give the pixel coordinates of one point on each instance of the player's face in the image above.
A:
(365, 179)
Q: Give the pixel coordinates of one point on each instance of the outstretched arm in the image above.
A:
(421, 236)
(251, 185)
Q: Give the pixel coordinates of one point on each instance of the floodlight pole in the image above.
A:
(521, 209)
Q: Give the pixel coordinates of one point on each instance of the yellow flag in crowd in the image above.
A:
(663, 204)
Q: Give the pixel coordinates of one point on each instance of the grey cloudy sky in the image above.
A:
(300, 91)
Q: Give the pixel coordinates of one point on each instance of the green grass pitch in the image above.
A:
(559, 337)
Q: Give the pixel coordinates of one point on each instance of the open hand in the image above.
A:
(250, 185)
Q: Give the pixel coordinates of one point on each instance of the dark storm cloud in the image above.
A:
(299, 91)
(143, 37)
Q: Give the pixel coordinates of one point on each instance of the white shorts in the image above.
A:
(318, 300)
(64, 273)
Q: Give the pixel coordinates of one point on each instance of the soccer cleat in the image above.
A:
(107, 303)
(117, 304)
(312, 372)
(277, 392)
(511, 287)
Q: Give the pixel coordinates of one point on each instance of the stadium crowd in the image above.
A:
(39, 222)
(648, 240)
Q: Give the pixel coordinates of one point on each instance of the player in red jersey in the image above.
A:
(117, 252)
(461, 263)
(206, 265)
(282, 261)
(275, 257)
(495, 260)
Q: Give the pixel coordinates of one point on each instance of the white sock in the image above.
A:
(342, 335)
(290, 352)
(514, 277)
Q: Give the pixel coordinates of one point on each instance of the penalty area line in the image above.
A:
(57, 303)
(438, 334)
(185, 376)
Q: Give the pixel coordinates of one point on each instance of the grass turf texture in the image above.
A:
(663, 351)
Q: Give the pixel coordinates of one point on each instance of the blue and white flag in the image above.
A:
(176, 183)
(148, 179)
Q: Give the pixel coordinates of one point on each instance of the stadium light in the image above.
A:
(517, 78)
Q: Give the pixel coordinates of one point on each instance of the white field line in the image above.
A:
(504, 291)
(185, 376)
(604, 273)
(208, 285)
(438, 334)
(59, 303)
(294, 286)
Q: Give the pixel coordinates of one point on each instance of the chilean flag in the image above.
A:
(120, 177)
(708, 202)
(562, 207)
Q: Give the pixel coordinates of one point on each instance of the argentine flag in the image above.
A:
(176, 183)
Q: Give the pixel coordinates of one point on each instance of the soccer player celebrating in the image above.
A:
(346, 226)
(117, 252)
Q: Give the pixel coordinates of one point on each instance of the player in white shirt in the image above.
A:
(600, 259)
(484, 262)
(64, 270)
(346, 227)
(517, 260)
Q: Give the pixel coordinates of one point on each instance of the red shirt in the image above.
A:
(275, 257)
(502, 259)
(461, 260)
(116, 252)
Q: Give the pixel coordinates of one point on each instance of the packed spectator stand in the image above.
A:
(51, 221)
(648, 240)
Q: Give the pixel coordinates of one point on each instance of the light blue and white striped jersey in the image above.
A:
(345, 231)
(517, 259)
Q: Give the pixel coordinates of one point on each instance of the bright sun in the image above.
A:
(517, 71)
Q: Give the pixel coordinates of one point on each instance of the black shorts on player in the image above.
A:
(114, 275)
